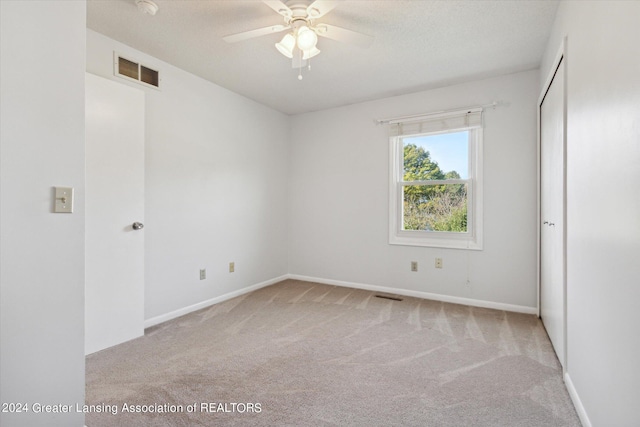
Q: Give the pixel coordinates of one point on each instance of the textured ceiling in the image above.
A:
(418, 44)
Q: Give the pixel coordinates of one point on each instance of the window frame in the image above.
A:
(473, 237)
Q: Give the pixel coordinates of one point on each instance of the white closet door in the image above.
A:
(114, 250)
(552, 288)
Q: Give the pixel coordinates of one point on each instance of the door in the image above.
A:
(552, 213)
(114, 249)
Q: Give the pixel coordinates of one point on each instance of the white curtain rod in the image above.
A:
(435, 113)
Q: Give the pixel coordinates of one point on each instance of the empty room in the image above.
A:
(320, 213)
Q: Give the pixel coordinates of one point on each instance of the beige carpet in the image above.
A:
(306, 354)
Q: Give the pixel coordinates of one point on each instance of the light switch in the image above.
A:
(64, 200)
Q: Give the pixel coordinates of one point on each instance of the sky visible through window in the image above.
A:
(449, 150)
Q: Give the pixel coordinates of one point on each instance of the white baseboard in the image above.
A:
(204, 304)
(420, 294)
(406, 292)
(577, 403)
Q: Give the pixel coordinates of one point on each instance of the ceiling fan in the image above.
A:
(300, 43)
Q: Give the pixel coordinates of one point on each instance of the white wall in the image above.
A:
(215, 176)
(339, 196)
(42, 273)
(603, 206)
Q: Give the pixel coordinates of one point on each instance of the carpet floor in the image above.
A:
(306, 354)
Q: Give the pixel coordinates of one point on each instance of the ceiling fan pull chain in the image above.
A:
(300, 68)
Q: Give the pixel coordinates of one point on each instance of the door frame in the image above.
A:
(561, 55)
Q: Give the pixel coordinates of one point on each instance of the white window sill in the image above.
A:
(417, 239)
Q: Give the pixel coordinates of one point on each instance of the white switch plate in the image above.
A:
(64, 200)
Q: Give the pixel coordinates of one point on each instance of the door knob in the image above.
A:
(137, 226)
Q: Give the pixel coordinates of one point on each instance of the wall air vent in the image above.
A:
(133, 70)
(389, 297)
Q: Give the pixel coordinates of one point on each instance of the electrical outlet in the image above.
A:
(414, 265)
(232, 267)
(203, 274)
(438, 262)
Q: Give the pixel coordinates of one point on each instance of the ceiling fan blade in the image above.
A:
(320, 8)
(343, 35)
(255, 33)
(279, 7)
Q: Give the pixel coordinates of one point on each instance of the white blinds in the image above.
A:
(438, 122)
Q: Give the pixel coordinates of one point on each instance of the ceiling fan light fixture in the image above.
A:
(307, 38)
(300, 44)
(286, 45)
(308, 54)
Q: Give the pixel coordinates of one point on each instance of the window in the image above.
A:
(435, 181)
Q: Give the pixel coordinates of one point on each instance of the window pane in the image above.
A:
(435, 207)
(442, 156)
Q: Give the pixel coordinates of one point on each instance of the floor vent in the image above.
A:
(132, 70)
(388, 297)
